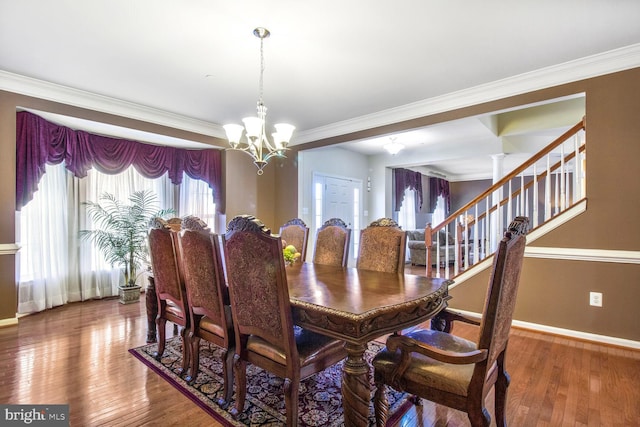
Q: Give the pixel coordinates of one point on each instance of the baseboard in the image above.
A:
(582, 336)
(8, 322)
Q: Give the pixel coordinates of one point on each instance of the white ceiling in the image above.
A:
(332, 67)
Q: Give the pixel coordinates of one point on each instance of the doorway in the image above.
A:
(338, 197)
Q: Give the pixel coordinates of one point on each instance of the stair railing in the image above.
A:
(550, 182)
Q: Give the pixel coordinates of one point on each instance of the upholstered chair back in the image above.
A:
(332, 243)
(203, 272)
(169, 284)
(208, 297)
(263, 321)
(164, 262)
(502, 291)
(382, 247)
(436, 365)
(257, 283)
(295, 232)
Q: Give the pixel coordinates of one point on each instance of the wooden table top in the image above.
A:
(359, 305)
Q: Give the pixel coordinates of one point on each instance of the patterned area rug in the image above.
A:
(320, 401)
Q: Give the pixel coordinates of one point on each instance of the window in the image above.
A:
(55, 266)
(407, 213)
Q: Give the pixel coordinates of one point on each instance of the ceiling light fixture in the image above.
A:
(393, 147)
(257, 144)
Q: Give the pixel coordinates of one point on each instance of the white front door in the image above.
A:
(338, 197)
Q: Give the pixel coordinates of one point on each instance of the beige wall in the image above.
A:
(244, 191)
(553, 292)
(556, 292)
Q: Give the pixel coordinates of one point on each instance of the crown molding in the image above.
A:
(591, 66)
(79, 98)
(604, 63)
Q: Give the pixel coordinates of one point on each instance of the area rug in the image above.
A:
(320, 402)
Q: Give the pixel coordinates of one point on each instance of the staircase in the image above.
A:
(551, 183)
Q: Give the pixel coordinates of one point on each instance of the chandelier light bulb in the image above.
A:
(257, 145)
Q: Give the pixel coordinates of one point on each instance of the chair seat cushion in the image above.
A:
(425, 372)
(206, 324)
(174, 310)
(311, 347)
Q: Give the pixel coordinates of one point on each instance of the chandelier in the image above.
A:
(393, 147)
(257, 145)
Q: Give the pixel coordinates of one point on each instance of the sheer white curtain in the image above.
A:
(45, 236)
(55, 265)
(98, 279)
(407, 213)
(439, 211)
(196, 198)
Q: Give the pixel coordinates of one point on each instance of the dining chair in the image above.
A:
(170, 291)
(453, 371)
(208, 299)
(295, 232)
(262, 316)
(382, 247)
(332, 243)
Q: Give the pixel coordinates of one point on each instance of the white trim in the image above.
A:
(531, 252)
(9, 248)
(83, 99)
(578, 254)
(586, 336)
(8, 322)
(557, 221)
(591, 66)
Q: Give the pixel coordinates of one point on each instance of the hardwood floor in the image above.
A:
(77, 354)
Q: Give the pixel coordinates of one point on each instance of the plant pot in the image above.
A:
(129, 294)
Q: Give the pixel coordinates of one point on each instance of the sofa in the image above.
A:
(418, 251)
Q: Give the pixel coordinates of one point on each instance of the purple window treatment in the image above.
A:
(439, 187)
(39, 142)
(404, 178)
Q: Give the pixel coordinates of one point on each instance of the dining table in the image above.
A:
(358, 306)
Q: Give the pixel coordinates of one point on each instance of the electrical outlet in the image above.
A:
(595, 299)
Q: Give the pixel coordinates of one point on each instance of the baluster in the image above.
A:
(547, 191)
(535, 195)
(562, 180)
(556, 194)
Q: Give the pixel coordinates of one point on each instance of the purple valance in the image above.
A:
(439, 187)
(39, 142)
(404, 178)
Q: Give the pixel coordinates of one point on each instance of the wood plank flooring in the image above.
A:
(77, 354)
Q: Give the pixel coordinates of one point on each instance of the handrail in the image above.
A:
(462, 244)
(529, 184)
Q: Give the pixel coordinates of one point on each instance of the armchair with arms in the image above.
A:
(452, 371)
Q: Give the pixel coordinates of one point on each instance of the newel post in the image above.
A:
(428, 242)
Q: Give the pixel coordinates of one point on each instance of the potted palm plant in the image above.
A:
(121, 234)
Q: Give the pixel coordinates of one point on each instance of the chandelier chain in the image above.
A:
(256, 143)
(261, 85)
